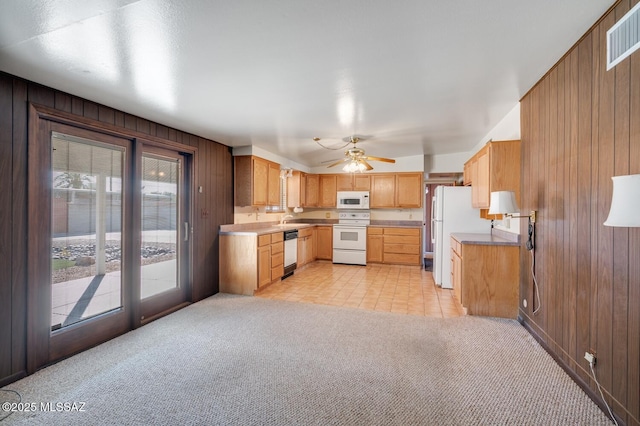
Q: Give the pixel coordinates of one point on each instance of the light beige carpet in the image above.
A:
(249, 361)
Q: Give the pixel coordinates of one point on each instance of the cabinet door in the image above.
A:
(483, 180)
(473, 171)
(328, 196)
(375, 243)
(325, 242)
(383, 189)
(308, 249)
(260, 181)
(273, 185)
(314, 244)
(467, 173)
(293, 190)
(344, 182)
(301, 253)
(264, 265)
(313, 191)
(409, 191)
(361, 182)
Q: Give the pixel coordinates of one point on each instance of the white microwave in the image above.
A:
(353, 200)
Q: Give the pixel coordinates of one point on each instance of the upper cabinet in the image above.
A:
(496, 167)
(383, 189)
(312, 191)
(409, 190)
(387, 190)
(396, 190)
(303, 190)
(257, 181)
(328, 196)
(353, 182)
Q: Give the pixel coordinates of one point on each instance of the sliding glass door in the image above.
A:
(109, 235)
(87, 217)
(164, 231)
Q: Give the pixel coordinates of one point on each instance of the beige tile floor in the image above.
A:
(400, 289)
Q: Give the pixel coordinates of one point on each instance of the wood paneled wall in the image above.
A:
(580, 127)
(213, 206)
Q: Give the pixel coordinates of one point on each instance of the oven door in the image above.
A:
(349, 237)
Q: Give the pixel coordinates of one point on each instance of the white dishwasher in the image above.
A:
(290, 252)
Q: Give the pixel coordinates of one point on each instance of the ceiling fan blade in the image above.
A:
(367, 165)
(338, 162)
(386, 160)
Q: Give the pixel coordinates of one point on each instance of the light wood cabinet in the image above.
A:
(488, 282)
(306, 241)
(328, 196)
(467, 174)
(264, 261)
(312, 194)
(456, 269)
(257, 181)
(250, 262)
(273, 185)
(353, 182)
(387, 190)
(393, 245)
(324, 242)
(296, 189)
(396, 190)
(496, 167)
(375, 244)
(277, 255)
(402, 246)
(409, 191)
(383, 191)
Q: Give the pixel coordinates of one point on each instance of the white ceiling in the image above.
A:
(414, 76)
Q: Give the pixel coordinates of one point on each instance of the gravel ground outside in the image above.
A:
(77, 272)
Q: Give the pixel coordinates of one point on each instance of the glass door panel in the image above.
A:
(160, 227)
(86, 244)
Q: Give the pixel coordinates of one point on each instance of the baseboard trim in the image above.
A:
(163, 313)
(12, 378)
(577, 379)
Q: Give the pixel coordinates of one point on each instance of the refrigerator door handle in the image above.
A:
(433, 219)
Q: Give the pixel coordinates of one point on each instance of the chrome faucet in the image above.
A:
(285, 217)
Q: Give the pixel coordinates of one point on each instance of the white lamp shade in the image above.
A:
(625, 202)
(503, 202)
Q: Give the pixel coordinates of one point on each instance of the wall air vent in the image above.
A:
(624, 37)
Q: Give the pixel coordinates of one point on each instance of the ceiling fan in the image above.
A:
(355, 157)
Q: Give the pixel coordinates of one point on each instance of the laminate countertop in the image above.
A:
(269, 229)
(483, 239)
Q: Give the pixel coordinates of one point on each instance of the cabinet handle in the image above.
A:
(186, 231)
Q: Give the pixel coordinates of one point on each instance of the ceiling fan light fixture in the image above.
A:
(354, 166)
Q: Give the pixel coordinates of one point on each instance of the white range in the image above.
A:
(350, 237)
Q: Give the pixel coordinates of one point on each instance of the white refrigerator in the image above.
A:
(451, 212)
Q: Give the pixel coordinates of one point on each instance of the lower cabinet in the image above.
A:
(393, 245)
(249, 262)
(264, 260)
(324, 242)
(306, 242)
(375, 244)
(486, 278)
(456, 269)
(277, 256)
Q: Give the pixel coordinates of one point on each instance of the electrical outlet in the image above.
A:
(327, 215)
(590, 357)
(533, 216)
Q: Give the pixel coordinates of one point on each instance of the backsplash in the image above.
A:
(259, 214)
